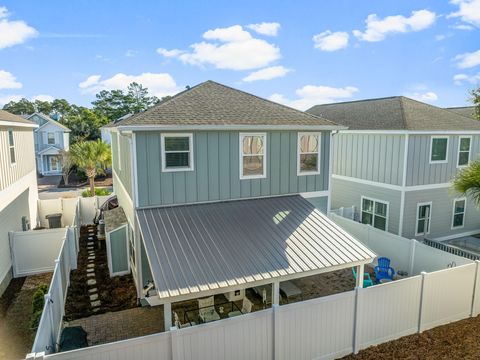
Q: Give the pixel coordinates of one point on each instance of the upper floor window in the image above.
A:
(11, 146)
(458, 213)
(375, 213)
(439, 149)
(253, 156)
(177, 152)
(308, 151)
(464, 144)
(51, 138)
(424, 215)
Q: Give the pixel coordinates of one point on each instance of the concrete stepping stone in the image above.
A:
(95, 303)
(90, 275)
(91, 257)
(90, 270)
(92, 282)
(90, 265)
(96, 309)
(93, 297)
(92, 290)
(90, 243)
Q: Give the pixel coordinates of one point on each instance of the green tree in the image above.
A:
(61, 108)
(475, 99)
(43, 107)
(21, 107)
(467, 181)
(84, 124)
(138, 98)
(67, 165)
(93, 157)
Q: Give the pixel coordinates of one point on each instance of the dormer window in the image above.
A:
(51, 138)
(177, 152)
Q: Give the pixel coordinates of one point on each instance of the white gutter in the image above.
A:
(17, 124)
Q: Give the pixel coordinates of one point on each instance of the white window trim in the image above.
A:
(464, 213)
(469, 151)
(319, 136)
(373, 214)
(54, 139)
(119, 152)
(11, 147)
(240, 153)
(190, 152)
(429, 218)
(431, 148)
(50, 158)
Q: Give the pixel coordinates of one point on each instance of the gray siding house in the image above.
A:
(223, 190)
(395, 164)
(50, 138)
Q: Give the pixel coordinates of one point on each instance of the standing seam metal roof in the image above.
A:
(202, 247)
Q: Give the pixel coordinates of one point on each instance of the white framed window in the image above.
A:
(50, 138)
(464, 147)
(458, 213)
(54, 163)
(308, 153)
(119, 152)
(11, 147)
(424, 216)
(438, 149)
(375, 213)
(253, 155)
(177, 152)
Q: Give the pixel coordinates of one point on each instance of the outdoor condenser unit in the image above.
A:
(25, 223)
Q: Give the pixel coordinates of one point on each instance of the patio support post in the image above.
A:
(276, 293)
(412, 257)
(360, 270)
(167, 315)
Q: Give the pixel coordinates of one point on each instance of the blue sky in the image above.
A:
(298, 53)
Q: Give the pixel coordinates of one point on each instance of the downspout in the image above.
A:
(404, 185)
(329, 182)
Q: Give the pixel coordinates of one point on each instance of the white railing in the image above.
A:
(346, 212)
(51, 322)
(405, 254)
(323, 328)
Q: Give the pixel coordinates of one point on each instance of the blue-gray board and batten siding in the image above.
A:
(216, 169)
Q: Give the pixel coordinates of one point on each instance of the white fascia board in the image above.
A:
(17, 124)
(123, 128)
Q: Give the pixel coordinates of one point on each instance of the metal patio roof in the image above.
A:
(211, 247)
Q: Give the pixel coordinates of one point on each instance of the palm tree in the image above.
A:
(467, 181)
(93, 157)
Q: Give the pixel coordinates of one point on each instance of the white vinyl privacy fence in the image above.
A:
(323, 328)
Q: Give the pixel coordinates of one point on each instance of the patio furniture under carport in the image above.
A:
(201, 250)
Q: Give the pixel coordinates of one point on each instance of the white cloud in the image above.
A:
(377, 29)
(468, 11)
(158, 84)
(268, 73)
(459, 79)
(468, 60)
(331, 41)
(428, 96)
(131, 53)
(8, 81)
(463, 27)
(5, 99)
(311, 95)
(265, 28)
(230, 48)
(43, 97)
(13, 32)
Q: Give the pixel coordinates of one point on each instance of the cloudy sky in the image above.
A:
(299, 53)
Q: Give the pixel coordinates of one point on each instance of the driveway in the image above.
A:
(48, 182)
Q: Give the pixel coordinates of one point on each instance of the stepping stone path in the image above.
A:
(91, 282)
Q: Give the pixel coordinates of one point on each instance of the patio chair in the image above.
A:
(367, 280)
(383, 269)
(246, 308)
(289, 289)
(206, 309)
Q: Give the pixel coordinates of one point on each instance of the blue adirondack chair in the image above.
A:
(367, 280)
(383, 270)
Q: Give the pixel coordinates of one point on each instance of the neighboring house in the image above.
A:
(395, 164)
(18, 185)
(50, 138)
(105, 133)
(223, 191)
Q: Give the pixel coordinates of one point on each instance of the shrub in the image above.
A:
(98, 192)
(38, 302)
(35, 320)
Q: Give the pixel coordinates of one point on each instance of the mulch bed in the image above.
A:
(459, 340)
(117, 293)
(75, 182)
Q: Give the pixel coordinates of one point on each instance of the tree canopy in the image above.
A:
(475, 99)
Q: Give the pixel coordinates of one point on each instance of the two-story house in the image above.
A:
(18, 185)
(50, 138)
(223, 191)
(395, 164)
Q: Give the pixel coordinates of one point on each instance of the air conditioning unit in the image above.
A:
(25, 223)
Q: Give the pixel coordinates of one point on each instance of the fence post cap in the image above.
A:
(423, 273)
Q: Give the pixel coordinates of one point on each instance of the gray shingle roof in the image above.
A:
(394, 113)
(211, 103)
(213, 246)
(6, 116)
(468, 111)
